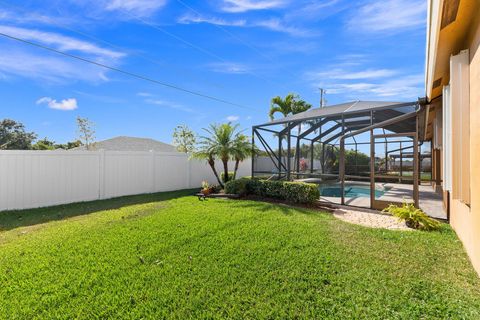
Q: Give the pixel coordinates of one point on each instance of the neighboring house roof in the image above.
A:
(130, 144)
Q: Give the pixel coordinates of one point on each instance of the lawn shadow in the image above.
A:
(269, 204)
(21, 218)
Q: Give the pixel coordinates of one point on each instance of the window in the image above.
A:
(460, 121)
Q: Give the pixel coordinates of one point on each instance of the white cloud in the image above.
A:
(279, 26)
(404, 87)
(144, 94)
(389, 16)
(229, 67)
(31, 17)
(18, 60)
(272, 24)
(236, 6)
(188, 19)
(46, 68)
(136, 7)
(64, 105)
(353, 83)
(62, 42)
(232, 118)
(169, 104)
(355, 75)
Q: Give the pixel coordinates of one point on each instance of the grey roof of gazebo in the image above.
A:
(383, 110)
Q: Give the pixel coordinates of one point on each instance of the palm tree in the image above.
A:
(220, 144)
(291, 104)
(242, 149)
(205, 153)
(223, 142)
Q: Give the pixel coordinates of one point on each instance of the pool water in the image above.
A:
(351, 191)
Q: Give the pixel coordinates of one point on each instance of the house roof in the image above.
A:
(124, 143)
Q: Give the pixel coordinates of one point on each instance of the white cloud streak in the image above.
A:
(390, 16)
(229, 67)
(169, 104)
(137, 7)
(237, 6)
(232, 118)
(61, 42)
(368, 83)
(273, 24)
(64, 105)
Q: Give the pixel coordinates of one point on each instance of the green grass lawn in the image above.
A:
(171, 256)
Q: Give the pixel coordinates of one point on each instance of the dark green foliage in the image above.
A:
(44, 144)
(14, 137)
(413, 217)
(230, 176)
(238, 186)
(296, 192)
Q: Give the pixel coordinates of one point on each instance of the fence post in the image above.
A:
(101, 173)
(189, 172)
(153, 173)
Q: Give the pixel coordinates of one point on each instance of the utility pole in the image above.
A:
(322, 101)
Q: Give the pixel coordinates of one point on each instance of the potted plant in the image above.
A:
(206, 189)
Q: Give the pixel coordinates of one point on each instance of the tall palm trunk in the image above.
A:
(211, 162)
(237, 162)
(225, 169)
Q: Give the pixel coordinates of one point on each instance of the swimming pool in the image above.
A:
(352, 190)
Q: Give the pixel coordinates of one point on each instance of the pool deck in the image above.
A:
(430, 201)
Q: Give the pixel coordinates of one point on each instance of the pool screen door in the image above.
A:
(394, 172)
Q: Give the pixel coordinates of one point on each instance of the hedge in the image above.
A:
(296, 192)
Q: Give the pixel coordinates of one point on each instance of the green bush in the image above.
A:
(230, 176)
(413, 217)
(296, 192)
(300, 192)
(237, 186)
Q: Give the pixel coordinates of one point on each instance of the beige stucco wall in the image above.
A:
(466, 220)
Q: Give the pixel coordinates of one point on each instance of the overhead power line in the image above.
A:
(131, 74)
(196, 47)
(113, 45)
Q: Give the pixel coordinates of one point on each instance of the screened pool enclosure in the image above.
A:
(361, 153)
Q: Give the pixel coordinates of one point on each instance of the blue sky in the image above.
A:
(243, 51)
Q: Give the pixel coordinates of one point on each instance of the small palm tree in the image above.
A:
(205, 153)
(219, 144)
(242, 149)
(225, 143)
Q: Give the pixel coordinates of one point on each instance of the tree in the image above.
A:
(223, 142)
(69, 145)
(291, 104)
(206, 153)
(86, 131)
(14, 137)
(242, 149)
(44, 144)
(184, 139)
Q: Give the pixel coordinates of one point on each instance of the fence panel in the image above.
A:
(31, 179)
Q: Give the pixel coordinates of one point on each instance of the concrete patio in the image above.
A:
(430, 201)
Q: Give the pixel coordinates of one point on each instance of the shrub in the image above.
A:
(301, 192)
(413, 217)
(296, 192)
(230, 176)
(237, 186)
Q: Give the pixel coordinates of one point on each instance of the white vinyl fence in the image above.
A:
(32, 179)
